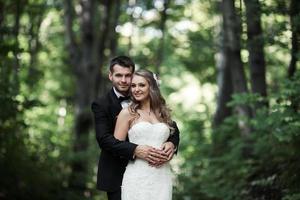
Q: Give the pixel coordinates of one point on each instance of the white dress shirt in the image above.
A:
(124, 103)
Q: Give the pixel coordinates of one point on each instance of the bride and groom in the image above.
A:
(137, 137)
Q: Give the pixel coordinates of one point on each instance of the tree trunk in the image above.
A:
(232, 32)
(104, 28)
(131, 5)
(16, 50)
(1, 17)
(83, 61)
(224, 81)
(113, 34)
(71, 43)
(160, 49)
(295, 26)
(87, 55)
(256, 49)
(33, 46)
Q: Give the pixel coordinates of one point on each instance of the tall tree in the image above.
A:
(87, 51)
(232, 34)
(1, 13)
(113, 34)
(162, 24)
(131, 5)
(107, 31)
(83, 61)
(295, 28)
(223, 79)
(36, 13)
(256, 49)
(16, 31)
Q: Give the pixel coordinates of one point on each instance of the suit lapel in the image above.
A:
(116, 106)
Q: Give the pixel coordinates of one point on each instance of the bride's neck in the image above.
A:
(145, 105)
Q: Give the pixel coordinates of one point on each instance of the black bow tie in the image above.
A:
(123, 98)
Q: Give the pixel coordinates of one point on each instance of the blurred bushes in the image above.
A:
(265, 165)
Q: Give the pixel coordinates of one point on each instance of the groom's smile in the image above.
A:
(121, 78)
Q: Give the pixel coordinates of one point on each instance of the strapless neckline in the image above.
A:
(146, 122)
(147, 133)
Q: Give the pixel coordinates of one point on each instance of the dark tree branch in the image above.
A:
(232, 35)
(103, 42)
(256, 49)
(113, 35)
(70, 36)
(295, 26)
(224, 81)
(16, 50)
(162, 24)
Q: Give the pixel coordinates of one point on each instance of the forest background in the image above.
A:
(228, 70)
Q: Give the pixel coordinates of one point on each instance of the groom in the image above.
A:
(115, 154)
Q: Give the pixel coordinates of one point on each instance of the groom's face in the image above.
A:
(121, 78)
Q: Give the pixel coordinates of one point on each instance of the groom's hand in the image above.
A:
(150, 154)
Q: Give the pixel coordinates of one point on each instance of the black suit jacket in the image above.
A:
(114, 153)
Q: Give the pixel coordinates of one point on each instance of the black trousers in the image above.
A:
(116, 195)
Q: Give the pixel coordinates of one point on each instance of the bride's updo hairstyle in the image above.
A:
(157, 102)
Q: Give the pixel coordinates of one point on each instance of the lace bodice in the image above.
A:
(146, 133)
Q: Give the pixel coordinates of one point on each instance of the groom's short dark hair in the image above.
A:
(123, 61)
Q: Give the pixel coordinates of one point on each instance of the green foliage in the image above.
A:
(37, 110)
(282, 142)
(192, 147)
(36, 115)
(226, 166)
(265, 165)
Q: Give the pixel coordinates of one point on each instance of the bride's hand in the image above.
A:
(152, 155)
(157, 157)
(169, 149)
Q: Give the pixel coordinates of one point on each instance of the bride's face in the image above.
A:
(140, 88)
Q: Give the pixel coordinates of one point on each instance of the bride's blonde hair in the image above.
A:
(157, 102)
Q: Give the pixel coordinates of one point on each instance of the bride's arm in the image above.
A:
(122, 125)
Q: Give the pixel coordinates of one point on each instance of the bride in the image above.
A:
(146, 121)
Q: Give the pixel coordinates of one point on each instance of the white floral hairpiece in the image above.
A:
(157, 80)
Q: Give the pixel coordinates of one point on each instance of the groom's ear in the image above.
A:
(110, 76)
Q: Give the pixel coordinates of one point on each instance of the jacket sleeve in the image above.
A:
(174, 137)
(104, 134)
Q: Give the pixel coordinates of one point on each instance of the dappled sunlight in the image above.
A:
(191, 94)
(188, 95)
(126, 29)
(50, 26)
(135, 11)
(279, 54)
(244, 55)
(194, 102)
(150, 15)
(159, 4)
(185, 26)
(62, 111)
(45, 26)
(55, 60)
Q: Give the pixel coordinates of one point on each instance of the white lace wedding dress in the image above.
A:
(141, 181)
